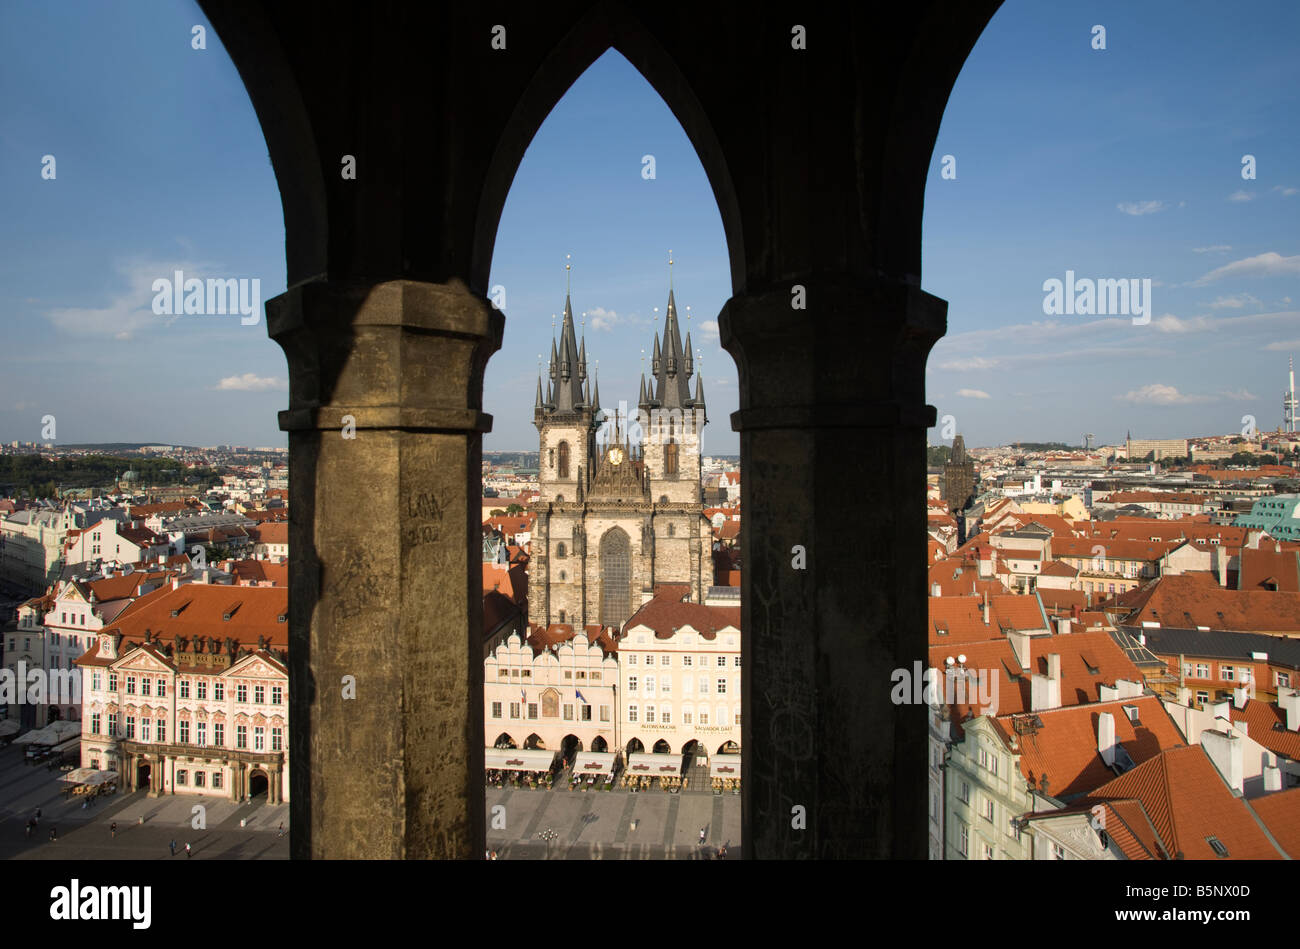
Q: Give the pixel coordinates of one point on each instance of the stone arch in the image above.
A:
(607, 25)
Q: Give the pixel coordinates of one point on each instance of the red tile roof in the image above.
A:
(1063, 751)
(1270, 569)
(1280, 813)
(1183, 601)
(1262, 721)
(1187, 802)
(668, 612)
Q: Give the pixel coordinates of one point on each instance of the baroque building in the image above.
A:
(620, 507)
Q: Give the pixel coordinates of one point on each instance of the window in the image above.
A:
(183, 732)
(182, 777)
(130, 685)
(988, 809)
(988, 761)
(1227, 673)
(704, 685)
(631, 659)
(199, 778)
(988, 852)
(631, 683)
(722, 662)
(185, 688)
(200, 689)
(277, 695)
(112, 724)
(963, 840)
(737, 716)
(241, 693)
(1058, 852)
(94, 723)
(503, 674)
(687, 715)
(496, 709)
(146, 686)
(216, 779)
(201, 733)
(722, 686)
(1283, 679)
(666, 686)
(514, 709)
(532, 709)
(704, 716)
(568, 673)
(563, 471)
(277, 739)
(218, 691)
(162, 730)
(595, 676)
(560, 551)
(96, 682)
(1013, 829)
(259, 738)
(130, 726)
(735, 661)
(219, 734)
(687, 660)
(963, 793)
(665, 660)
(666, 715)
(586, 713)
(241, 736)
(604, 713)
(650, 714)
(1202, 697)
(568, 712)
(1202, 670)
(649, 685)
(632, 713)
(581, 674)
(259, 694)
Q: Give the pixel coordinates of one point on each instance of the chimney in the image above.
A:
(1220, 710)
(1225, 750)
(1054, 679)
(1106, 738)
(1020, 646)
(1063, 626)
(1288, 700)
(936, 590)
(1272, 778)
(1184, 696)
(1074, 611)
(1239, 697)
(176, 583)
(986, 607)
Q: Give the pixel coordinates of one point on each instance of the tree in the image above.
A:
(514, 509)
(496, 512)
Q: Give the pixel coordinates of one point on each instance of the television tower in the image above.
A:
(1289, 403)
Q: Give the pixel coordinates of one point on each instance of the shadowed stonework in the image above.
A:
(818, 157)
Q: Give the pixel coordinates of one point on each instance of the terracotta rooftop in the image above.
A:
(1280, 813)
(668, 612)
(1189, 602)
(1266, 724)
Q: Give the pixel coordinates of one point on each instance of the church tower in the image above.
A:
(566, 418)
(672, 418)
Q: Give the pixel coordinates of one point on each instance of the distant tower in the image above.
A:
(958, 485)
(1289, 418)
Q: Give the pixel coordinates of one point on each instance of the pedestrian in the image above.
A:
(701, 836)
(188, 852)
(281, 833)
(31, 825)
(38, 815)
(113, 828)
(54, 834)
(173, 847)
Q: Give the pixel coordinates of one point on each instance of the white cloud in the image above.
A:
(1239, 395)
(250, 383)
(973, 394)
(1270, 264)
(603, 319)
(974, 362)
(1234, 302)
(1138, 208)
(1283, 345)
(1168, 323)
(1159, 394)
(1287, 190)
(126, 312)
(1241, 196)
(1212, 249)
(709, 330)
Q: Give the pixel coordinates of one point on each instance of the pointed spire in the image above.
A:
(690, 364)
(595, 405)
(582, 356)
(586, 393)
(654, 360)
(699, 391)
(537, 404)
(555, 360)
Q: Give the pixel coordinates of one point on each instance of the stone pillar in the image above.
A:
(832, 398)
(385, 620)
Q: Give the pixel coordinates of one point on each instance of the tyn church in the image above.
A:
(618, 512)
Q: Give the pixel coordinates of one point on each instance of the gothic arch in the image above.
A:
(616, 577)
(607, 25)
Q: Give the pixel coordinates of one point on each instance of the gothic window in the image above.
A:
(560, 552)
(563, 576)
(670, 458)
(552, 458)
(672, 530)
(615, 578)
(564, 461)
(561, 616)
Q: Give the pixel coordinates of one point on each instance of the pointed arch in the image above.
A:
(607, 25)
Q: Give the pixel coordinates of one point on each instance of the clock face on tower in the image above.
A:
(615, 456)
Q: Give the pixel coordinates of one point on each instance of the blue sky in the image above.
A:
(1117, 163)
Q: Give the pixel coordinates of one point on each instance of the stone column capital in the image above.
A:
(833, 351)
(398, 354)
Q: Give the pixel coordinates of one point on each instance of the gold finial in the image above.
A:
(670, 268)
(688, 313)
(567, 268)
(656, 314)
